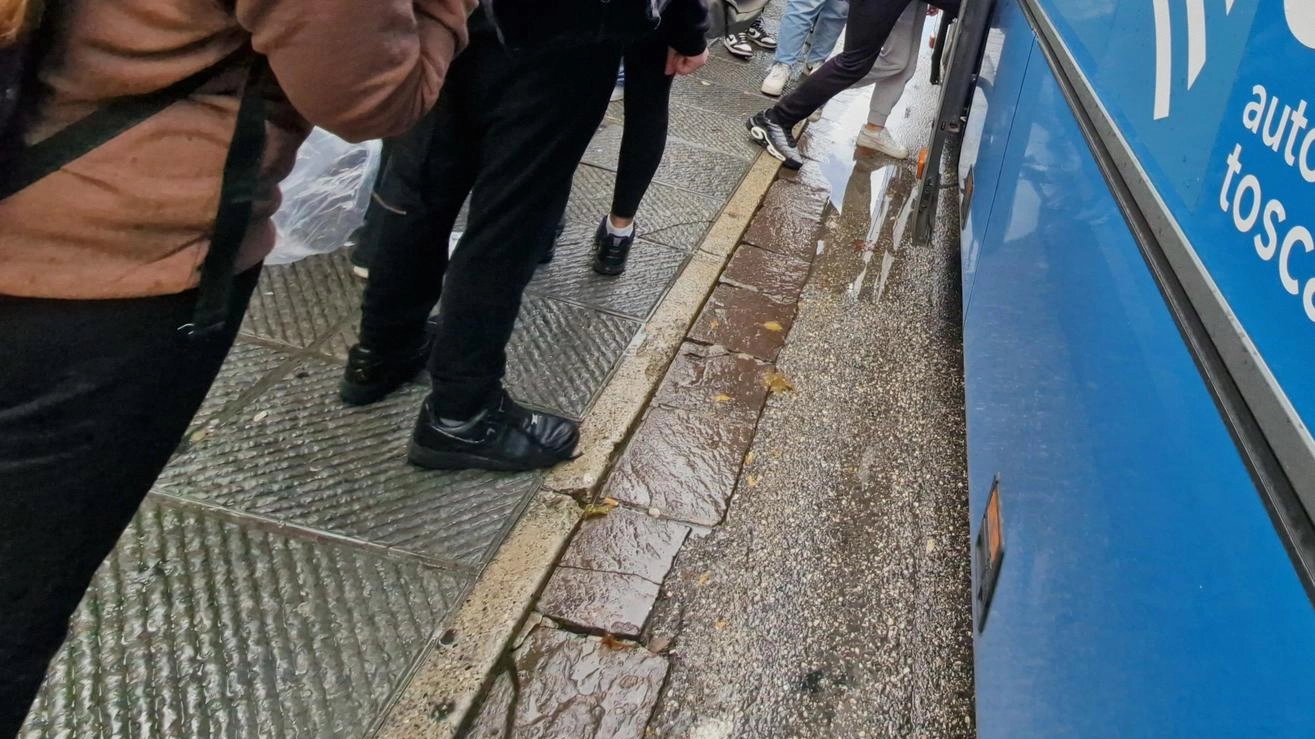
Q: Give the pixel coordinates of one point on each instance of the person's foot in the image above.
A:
(880, 140)
(504, 437)
(551, 250)
(611, 251)
(778, 139)
(759, 34)
(738, 44)
(776, 79)
(372, 375)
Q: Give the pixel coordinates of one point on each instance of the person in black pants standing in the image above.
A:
(509, 130)
(678, 48)
(870, 23)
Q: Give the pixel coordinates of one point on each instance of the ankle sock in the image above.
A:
(620, 233)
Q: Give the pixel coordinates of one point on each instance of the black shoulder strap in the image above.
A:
(236, 197)
(99, 127)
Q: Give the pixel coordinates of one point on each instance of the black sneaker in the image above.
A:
(372, 375)
(778, 139)
(611, 252)
(503, 437)
(551, 250)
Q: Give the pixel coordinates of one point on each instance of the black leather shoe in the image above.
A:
(371, 375)
(611, 252)
(504, 437)
(551, 251)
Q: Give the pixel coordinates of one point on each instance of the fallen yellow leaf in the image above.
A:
(721, 624)
(774, 326)
(748, 458)
(601, 508)
(705, 578)
(752, 481)
(198, 435)
(777, 382)
(722, 398)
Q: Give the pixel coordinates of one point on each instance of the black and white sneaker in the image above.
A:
(738, 44)
(759, 34)
(504, 436)
(611, 252)
(778, 139)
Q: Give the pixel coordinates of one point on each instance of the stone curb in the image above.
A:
(677, 471)
(437, 701)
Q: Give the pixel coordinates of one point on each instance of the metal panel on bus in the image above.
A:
(1143, 591)
(1008, 45)
(1216, 102)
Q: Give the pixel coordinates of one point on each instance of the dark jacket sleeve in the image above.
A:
(685, 26)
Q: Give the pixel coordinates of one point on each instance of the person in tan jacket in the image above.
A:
(100, 259)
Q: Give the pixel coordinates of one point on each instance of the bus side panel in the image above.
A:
(1008, 45)
(1143, 590)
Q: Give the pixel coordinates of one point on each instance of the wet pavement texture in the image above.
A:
(833, 601)
(290, 570)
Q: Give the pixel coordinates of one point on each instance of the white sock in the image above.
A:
(619, 232)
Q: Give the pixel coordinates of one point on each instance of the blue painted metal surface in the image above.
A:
(1144, 590)
(1216, 99)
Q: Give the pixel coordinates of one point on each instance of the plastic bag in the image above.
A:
(325, 197)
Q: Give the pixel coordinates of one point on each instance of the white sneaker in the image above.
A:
(777, 77)
(883, 142)
(738, 44)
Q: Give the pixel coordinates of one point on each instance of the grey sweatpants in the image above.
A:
(897, 63)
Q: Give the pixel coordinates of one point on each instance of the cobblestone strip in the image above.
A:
(584, 665)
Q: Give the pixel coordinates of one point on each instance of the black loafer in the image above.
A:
(504, 437)
(611, 252)
(372, 375)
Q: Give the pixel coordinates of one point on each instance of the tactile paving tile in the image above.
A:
(247, 364)
(297, 304)
(721, 99)
(649, 271)
(561, 355)
(683, 165)
(297, 454)
(722, 133)
(668, 215)
(199, 628)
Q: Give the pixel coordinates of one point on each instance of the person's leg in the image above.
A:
(363, 244)
(94, 397)
(644, 139)
(799, 18)
(870, 23)
(537, 112)
(430, 172)
(830, 23)
(897, 65)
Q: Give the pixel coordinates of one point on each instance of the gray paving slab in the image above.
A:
(561, 355)
(634, 294)
(297, 455)
(668, 215)
(684, 165)
(719, 132)
(248, 365)
(200, 627)
(300, 303)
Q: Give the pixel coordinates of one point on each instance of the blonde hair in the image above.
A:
(14, 17)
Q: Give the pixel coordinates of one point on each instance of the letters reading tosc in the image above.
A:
(1281, 240)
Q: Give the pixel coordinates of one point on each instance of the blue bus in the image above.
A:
(1137, 189)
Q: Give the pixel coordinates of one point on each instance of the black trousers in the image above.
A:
(509, 129)
(870, 23)
(94, 397)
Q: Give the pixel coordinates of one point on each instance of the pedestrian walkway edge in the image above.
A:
(454, 671)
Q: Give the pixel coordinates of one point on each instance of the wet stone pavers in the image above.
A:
(290, 570)
(673, 480)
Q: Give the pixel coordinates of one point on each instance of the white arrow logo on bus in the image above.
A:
(1301, 21)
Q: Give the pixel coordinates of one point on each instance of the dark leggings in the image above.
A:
(647, 102)
(870, 23)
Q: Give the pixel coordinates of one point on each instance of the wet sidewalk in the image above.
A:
(290, 574)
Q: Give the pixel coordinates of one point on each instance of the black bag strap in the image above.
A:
(237, 194)
(99, 127)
